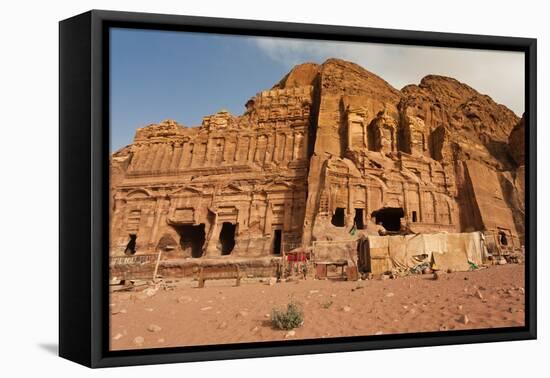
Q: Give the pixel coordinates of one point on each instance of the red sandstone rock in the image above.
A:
(517, 142)
(328, 147)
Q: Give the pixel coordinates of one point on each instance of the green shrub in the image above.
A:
(292, 318)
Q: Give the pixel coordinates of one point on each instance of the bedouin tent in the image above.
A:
(443, 251)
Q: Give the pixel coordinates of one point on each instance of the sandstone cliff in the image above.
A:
(328, 148)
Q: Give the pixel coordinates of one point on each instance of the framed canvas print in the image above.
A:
(234, 188)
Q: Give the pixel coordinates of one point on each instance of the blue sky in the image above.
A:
(157, 75)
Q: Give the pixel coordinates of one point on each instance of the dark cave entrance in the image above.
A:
(227, 238)
(277, 241)
(503, 240)
(338, 218)
(131, 246)
(192, 238)
(358, 220)
(389, 217)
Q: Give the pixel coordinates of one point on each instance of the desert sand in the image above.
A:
(183, 315)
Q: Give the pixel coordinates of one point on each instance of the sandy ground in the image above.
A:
(221, 313)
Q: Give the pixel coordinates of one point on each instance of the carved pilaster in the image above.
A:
(176, 157)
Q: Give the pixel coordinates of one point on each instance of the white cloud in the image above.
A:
(499, 74)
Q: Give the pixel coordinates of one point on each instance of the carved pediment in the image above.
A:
(186, 191)
(277, 186)
(338, 166)
(232, 189)
(138, 194)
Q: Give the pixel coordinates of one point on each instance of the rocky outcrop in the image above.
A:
(516, 142)
(302, 75)
(330, 149)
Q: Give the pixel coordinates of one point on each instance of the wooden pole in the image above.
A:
(283, 265)
(157, 266)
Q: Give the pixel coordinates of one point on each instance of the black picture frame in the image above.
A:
(84, 187)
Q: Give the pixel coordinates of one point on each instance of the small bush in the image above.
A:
(292, 318)
(326, 304)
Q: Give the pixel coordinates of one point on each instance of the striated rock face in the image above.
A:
(302, 75)
(516, 142)
(329, 147)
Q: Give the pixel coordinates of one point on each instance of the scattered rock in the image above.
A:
(267, 316)
(206, 308)
(150, 291)
(464, 319)
(242, 313)
(459, 307)
(291, 333)
(271, 281)
(222, 325)
(185, 299)
(379, 333)
(149, 309)
(443, 328)
(139, 340)
(161, 341)
(389, 295)
(118, 336)
(255, 329)
(478, 294)
(154, 328)
(313, 291)
(346, 308)
(384, 277)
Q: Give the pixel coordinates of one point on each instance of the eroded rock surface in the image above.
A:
(329, 149)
